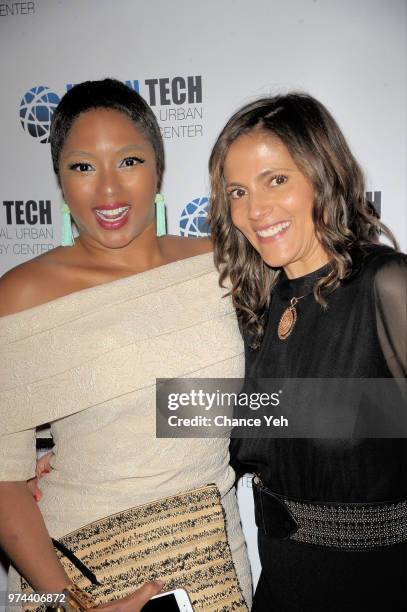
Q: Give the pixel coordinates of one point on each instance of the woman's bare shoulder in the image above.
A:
(177, 247)
(28, 284)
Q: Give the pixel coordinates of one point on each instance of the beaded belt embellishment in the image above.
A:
(350, 526)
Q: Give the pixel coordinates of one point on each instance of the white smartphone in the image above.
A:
(171, 601)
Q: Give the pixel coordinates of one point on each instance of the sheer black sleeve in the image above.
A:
(391, 313)
(235, 443)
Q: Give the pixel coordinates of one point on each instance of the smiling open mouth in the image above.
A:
(273, 230)
(112, 215)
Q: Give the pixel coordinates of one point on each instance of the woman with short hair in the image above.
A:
(85, 331)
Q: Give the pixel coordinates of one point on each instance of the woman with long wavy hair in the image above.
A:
(317, 296)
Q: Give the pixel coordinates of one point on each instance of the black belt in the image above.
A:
(350, 526)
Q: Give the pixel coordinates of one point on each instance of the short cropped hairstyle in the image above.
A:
(112, 95)
(343, 218)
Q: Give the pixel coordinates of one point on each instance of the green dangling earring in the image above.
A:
(160, 222)
(67, 238)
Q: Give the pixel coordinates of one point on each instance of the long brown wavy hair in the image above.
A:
(342, 216)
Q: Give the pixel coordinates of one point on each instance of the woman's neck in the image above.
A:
(314, 260)
(142, 253)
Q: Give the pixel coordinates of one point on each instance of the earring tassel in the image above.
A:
(67, 238)
(161, 225)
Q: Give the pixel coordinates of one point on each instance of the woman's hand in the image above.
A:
(135, 601)
(43, 467)
(131, 603)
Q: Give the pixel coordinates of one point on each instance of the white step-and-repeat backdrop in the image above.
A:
(196, 62)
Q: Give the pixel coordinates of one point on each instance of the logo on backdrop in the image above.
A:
(16, 8)
(36, 110)
(176, 102)
(193, 222)
(26, 230)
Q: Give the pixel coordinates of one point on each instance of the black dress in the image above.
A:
(362, 334)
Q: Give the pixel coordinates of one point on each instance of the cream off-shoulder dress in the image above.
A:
(87, 364)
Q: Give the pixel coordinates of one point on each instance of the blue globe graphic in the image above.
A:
(193, 221)
(36, 110)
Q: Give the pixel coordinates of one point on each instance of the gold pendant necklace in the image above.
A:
(288, 319)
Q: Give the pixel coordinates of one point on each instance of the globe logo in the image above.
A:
(193, 221)
(36, 110)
